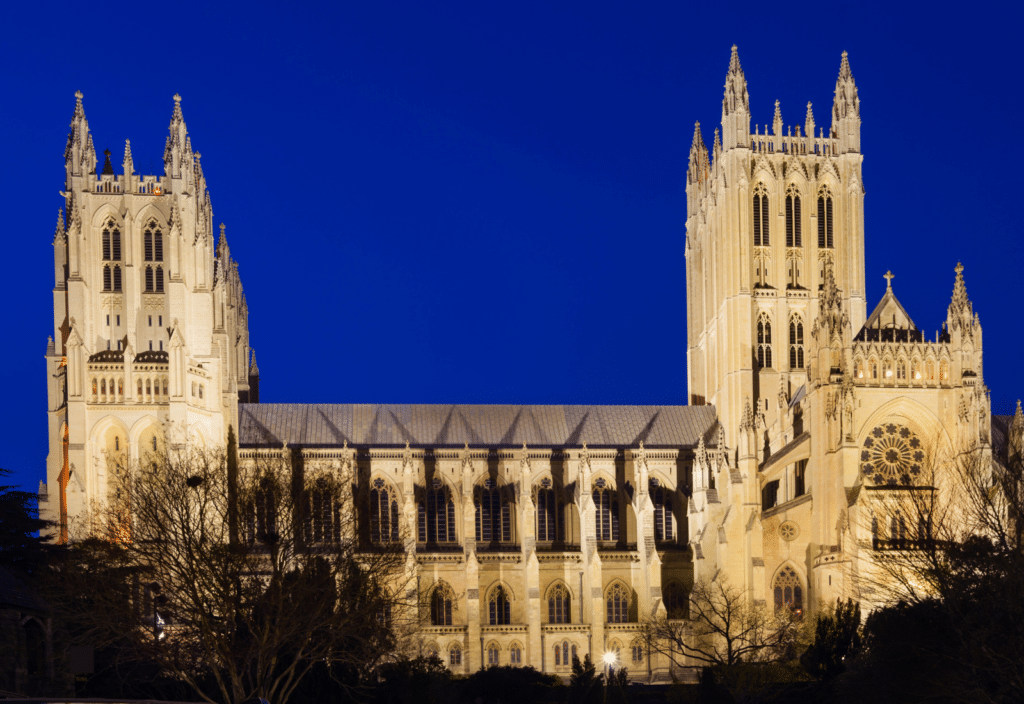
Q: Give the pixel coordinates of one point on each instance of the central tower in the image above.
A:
(769, 212)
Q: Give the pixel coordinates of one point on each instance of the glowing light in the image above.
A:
(888, 373)
(609, 658)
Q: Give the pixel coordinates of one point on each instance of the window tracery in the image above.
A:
(515, 654)
(825, 237)
(436, 514)
(761, 216)
(788, 591)
(455, 655)
(618, 602)
(764, 340)
(796, 342)
(492, 654)
(606, 514)
(677, 602)
(794, 237)
(323, 514)
(441, 602)
(383, 510)
(499, 607)
(493, 513)
(892, 455)
(664, 526)
(550, 513)
(558, 604)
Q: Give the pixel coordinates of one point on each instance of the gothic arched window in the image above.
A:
(558, 604)
(493, 514)
(794, 237)
(117, 278)
(383, 513)
(825, 238)
(617, 601)
(436, 515)
(323, 514)
(149, 279)
(111, 242)
(492, 654)
(158, 275)
(260, 512)
(107, 278)
(550, 513)
(664, 528)
(455, 655)
(760, 216)
(788, 592)
(796, 342)
(515, 654)
(499, 607)
(637, 651)
(764, 340)
(606, 514)
(441, 605)
(153, 243)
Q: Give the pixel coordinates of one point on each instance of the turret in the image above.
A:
(846, 110)
(964, 328)
(79, 155)
(698, 172)
(735, 106)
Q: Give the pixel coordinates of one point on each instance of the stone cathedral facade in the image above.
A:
(536, 533)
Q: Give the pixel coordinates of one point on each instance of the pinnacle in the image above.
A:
(60, 223)
(844, 69)
(108, 168)
(810, 115)
(734, 61)
(79, 108)
(176, 115)
(127, 155)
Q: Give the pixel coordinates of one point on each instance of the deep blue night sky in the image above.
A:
(483, 202)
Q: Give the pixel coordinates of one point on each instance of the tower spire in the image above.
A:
(846, 110)
(735, 106)
(960, 309)
(178, 151)
(699, 168)
(78, 153)
(777, 120)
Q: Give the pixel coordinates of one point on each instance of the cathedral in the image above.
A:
(537, 533)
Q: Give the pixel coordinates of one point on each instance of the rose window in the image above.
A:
(789, 531)
(892, 455)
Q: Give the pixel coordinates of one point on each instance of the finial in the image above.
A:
(889, 276)
(734, 61)
(959, 269)
(177, 98)
(79, 96)
(60, 220)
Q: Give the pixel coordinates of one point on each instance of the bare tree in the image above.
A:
(246, 577)
(726, 627)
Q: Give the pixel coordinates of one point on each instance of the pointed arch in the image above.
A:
(499, 605)
(606, 509)
(493, 654)
(761, 217)
(549, 499)
(442, 604)
(764, 340)
(515, 653)
(826, 217)
(559, 602)
(664, 516)
(455, 654)
(494, 516)
(382, 512)
(788, 589)
(619, 603)
(435, 513)
(796, 341)
(794, 232)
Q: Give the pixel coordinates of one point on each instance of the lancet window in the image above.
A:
(111, 253)
(617, 602)
(562, 654)
(493, 654)
(788, 592)
(796, 342)
(825, 238)
(764, 340)
(550, 513)
(436, 515)
(606, 514)
(558, 604)
(664, 528)
(260, 512)
(761, 216)
(455, 655)
(323, 514)
(677, 603)
(794, 237)
(441, 605)
(493, 514)
(499, 607)
(383, 511)
(515, 654)
(153, 243)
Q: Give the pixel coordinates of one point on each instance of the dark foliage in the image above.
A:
(585, 685)
(511, 684)
(836, 638)
(22, 550)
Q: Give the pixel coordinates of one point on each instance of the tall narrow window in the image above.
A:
(606, 514)
(662, 498)
(764, 341)
(825, 238)
(550, 524)
(493, 514)
(793, 234)
(383, 511)
(149, 279)
(323, 515)
(159, 279)
(558, 604)
(760, 216)
(500, 607)
(796, 342)
(436, 514)
(107, 280)
(441, 606)
(617, 602)
(677, 602)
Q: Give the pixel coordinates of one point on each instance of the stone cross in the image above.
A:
(889, 276)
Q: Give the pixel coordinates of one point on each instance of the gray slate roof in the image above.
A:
(491, 426)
